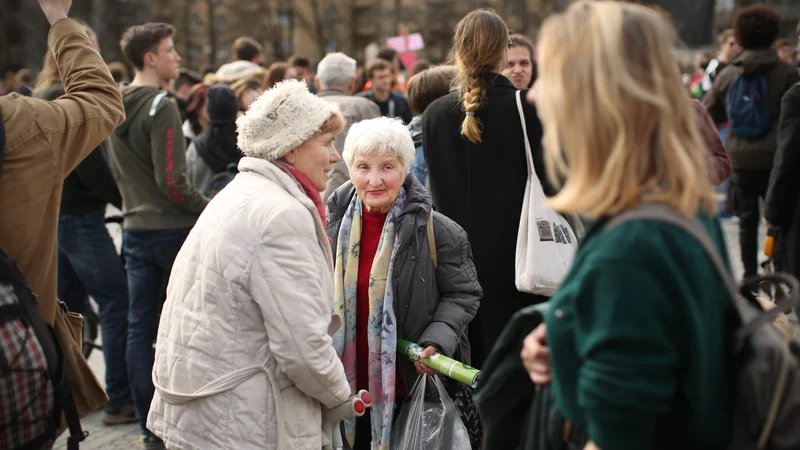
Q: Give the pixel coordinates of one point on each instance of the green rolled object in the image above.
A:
(446, 366)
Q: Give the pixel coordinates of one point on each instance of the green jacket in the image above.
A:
(640, 335)
(149, 160)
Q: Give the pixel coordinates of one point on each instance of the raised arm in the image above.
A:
(91, 107)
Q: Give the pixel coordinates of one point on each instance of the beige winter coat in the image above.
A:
(243, 358)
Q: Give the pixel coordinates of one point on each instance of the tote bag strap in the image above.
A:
(528, 155)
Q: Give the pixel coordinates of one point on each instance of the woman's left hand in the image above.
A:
(422, 369)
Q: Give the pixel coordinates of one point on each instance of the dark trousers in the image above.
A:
(88, 264)
(149, 255)
(749, 186)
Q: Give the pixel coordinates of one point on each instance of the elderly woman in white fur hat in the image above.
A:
(243, 358)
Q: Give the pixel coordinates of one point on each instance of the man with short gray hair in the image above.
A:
(336, 78)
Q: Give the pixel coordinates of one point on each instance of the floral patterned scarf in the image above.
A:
(382, 327)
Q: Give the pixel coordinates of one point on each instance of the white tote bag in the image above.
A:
(546, 243)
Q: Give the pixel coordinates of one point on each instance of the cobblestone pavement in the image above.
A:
(126, 437)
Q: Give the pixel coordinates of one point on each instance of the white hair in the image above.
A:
(336, 69)
(382, 136)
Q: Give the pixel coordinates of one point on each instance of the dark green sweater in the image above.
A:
(640, 329)
(149, 158)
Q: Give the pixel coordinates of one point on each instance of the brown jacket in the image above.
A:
(44, 142)
(753, 154)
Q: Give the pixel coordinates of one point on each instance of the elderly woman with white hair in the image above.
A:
(243, 357)
(388, 284)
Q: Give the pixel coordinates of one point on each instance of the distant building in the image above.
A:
(312, 28)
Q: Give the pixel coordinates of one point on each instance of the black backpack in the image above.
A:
(766, 407)
(34, 390)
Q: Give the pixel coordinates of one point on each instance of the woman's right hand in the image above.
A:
(536, 355)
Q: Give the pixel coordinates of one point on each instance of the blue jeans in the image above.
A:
(149, 255)
(88, 264)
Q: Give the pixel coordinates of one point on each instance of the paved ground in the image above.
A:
(126, 437)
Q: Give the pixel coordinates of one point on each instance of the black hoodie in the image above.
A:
(217, 147)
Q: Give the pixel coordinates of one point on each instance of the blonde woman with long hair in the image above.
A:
(475, 150)
(639, 333)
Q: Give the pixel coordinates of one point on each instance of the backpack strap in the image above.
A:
(692, 226)
(432, 242)
(52, 350)
(666, 214)
(156, 102)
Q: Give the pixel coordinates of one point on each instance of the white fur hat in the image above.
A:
(281, 120)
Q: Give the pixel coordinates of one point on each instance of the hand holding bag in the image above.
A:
(546, 243)
(429, 420)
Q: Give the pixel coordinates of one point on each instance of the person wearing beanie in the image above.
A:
(243, 356)
(212, 159)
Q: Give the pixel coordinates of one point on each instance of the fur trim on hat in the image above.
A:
(232, 72)
(282, 119)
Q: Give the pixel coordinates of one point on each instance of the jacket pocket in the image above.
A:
(302, 419)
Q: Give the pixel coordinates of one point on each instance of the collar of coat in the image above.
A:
(497, 79)
(418, 207)
(331, 91)
(267, 169)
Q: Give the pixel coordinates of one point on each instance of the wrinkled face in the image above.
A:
(378, 179)
(520, 67)
(165, 60)
(382, 80)
(315, 158)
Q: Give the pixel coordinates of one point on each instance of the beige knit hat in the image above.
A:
(281, 120)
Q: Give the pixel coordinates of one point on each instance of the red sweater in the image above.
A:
(371, 230)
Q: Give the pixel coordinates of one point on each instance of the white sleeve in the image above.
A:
(285, 280)
(707, 83)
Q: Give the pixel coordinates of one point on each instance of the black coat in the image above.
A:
(481, 187)
(782, 205)
(433, 306)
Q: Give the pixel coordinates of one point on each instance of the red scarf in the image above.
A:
(310, 188)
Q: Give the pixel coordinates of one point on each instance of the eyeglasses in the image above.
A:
(510, 43)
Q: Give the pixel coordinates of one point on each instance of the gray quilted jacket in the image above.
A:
(433, 306)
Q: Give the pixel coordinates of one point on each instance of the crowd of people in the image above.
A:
(260, 204)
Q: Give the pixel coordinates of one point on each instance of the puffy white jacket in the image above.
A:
(243, 358)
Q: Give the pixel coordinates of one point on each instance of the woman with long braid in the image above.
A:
(475, 150)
